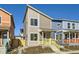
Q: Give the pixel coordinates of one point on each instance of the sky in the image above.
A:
(18, 12)
(67, 11)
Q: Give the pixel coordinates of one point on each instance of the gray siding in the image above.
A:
(55, 25)
(64, 25)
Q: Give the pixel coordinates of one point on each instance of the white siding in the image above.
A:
(55, 26)
(65, 26)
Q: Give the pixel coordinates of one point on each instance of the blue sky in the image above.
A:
(68, 11)
(18, 12)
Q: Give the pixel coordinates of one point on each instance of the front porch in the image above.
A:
(46, 38)
(71, 38)
(4, 38)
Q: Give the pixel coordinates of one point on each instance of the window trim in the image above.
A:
(34, 21)
(68, 25)
(33, 40)
(73, 27)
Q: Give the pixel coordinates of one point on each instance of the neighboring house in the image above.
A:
(66, 31)
(6, 28)
(37, 26)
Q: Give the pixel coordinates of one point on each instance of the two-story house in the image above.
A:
(66, 31)
(6, 28)
(37, 26)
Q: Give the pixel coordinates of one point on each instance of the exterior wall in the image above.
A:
(32, 29)
(65, 25)
(5, 22)
(43, 22)
(11, 32)
(55, 25)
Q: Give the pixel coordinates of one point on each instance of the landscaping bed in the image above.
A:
(37, 50)
(64, 49)
(72, 47)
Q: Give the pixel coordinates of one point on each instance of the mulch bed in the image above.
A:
(37, 50)
(72, 47)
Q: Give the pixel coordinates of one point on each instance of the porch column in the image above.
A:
(69, 37)
(42, 37)
(0, 39)
(55, 35)
(8, 39)
(63, 36)
(75, 37)
(7, 34)
(78, 35)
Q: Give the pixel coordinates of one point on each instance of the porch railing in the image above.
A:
(48, 42)
(71, 40)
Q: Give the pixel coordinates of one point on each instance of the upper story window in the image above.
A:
(73, 26)
(0, 19)
(34, 22)
(68, 25)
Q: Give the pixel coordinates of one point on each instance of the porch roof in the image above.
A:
(4, 28)
(46, 30)
(71, 31)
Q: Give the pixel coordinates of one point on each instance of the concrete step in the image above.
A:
(2, 50)
(55, 49)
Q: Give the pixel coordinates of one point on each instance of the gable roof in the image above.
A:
(62, 19)
(28, 6)
(5, 11)
(8, 14)
(53, 19)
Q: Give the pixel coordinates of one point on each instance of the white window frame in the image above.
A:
(38, 20)
(37, 36)
(74, 26)
(31, 21)
(68, 25)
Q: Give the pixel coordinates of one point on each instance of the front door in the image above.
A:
(4, 38)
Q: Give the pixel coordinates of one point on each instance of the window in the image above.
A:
(68, 25)
(34, 37)
(4, 35)
(34, 22)
(0, 19)
(73, 26)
